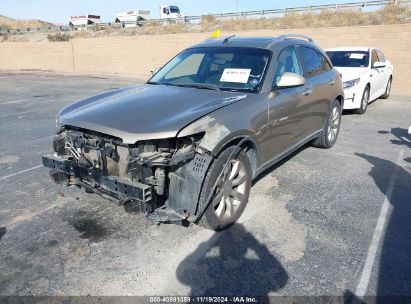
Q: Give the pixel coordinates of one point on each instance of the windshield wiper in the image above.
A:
(153, 82)
(250, 90)
(198, 86)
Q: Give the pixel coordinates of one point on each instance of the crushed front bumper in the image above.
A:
(96, 181)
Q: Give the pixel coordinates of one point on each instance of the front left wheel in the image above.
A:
(364, 101)
(226, 189)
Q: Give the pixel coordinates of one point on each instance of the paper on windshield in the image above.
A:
(235, 75)
(357, 56)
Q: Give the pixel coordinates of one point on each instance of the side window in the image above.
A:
(374, 57)
(312, 61)
(326, 65)
(287, 62)
(381, 56)
(165, 11)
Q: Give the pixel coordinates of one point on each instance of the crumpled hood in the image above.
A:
(145, 112)
(351, 73)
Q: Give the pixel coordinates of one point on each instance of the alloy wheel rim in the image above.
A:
(334, 124)
(230, 190)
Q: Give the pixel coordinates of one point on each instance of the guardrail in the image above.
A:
(194, 19)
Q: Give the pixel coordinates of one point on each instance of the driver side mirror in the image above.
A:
(290, 80)
(378, 64)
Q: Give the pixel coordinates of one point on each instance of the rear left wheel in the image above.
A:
(231, 175)
(387, 89)
(331, 128)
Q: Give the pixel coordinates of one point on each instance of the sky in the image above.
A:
(58, 11)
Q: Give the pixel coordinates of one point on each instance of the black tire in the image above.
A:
(209, 218)
(364, 101)
(387, 89)
(332, 124)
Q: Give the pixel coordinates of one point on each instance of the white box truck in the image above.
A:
(132, 18)
(84, 20)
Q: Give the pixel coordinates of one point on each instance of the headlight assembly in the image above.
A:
(350, 83)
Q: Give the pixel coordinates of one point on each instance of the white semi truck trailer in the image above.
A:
(132, 18)
(77, 21)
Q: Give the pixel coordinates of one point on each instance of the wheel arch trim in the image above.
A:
(244, 140)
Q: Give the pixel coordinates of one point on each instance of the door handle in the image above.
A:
(307, 92)
(331, 82)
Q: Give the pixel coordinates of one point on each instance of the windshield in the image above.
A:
(348, 58)
(174, 9)
(223, 68)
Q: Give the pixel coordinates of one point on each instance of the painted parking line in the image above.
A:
(379, 229)
(14, 101)
(20, 172)
(19, 113)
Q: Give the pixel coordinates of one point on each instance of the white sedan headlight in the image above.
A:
(350, 83)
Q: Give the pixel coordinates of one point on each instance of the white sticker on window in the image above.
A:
(357, 56)
(235, 75)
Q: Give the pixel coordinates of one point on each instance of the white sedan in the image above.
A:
(366, 75)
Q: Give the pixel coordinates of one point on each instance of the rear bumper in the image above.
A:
(95, 180)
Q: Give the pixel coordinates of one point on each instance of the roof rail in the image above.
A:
(283, 37)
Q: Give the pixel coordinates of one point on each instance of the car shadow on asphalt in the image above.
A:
(232, 263)
(348, 113)
(394, 264)
(402, 137)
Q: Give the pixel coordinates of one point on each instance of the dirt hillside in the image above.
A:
(10, 23)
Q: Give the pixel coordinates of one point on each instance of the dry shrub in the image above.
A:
(172, 28)
(4, 37)
(4, 27)
(392, 14)
(81, 33)
(389, 14)
(58, 37)
(154, 23)
(207, 19)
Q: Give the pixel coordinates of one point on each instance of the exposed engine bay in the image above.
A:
(159, 177)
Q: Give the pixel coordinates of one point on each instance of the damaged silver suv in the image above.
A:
(185, 146)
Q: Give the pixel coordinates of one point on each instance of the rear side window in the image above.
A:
(287, 62)
(312, 61)
(381, 56)
(326, 65)
(374, 57)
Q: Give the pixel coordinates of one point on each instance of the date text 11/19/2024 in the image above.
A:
(202, 299)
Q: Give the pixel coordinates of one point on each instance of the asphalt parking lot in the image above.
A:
(324, 222)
